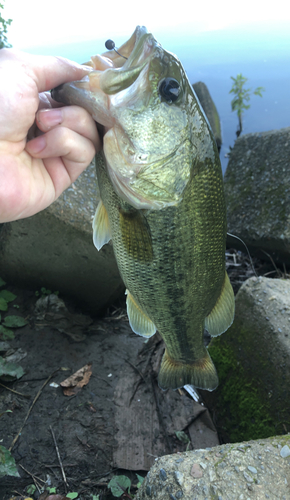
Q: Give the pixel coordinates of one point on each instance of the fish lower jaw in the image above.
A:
(200, 373)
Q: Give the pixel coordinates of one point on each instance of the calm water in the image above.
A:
(260, 54)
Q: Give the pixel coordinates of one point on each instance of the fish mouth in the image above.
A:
(125, 65)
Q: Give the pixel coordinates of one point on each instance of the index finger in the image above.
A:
(47, 71)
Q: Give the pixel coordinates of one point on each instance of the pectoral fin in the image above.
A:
(101, 227)
(139, 321)
(222, 315)
(136, 235)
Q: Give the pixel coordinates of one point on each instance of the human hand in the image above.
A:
(33, 173)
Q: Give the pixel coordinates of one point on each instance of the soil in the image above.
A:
(86, 428)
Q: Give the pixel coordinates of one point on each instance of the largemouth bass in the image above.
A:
(162, 202)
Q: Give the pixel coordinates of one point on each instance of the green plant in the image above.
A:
(183, 437)
(51, 490)
(31, 489)
(3, 29)
(44, 292)
(119, 484)
(242, 96)
(8, 322)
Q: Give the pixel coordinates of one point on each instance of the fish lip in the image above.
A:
(139, 48)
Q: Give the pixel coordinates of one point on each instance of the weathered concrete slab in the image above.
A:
(254, 469)
(210, 110)
(253, 362)
(54, 249)
(257, 188)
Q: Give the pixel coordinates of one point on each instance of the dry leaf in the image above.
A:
(73, 384)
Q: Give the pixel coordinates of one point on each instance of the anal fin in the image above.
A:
(139, 321)
(101, 227)
(200, 373)
(222, 315)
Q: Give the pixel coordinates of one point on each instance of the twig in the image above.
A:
(28, 396)
(136, 369)
(268, 255)
(160, 418)
(59, 459)
(35, 478)
(30, 409)
(55, 466)
(151, 350)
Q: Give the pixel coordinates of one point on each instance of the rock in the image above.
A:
(257, 188)
(253, 362)
(253, 469)
(210, 110)
(54, 249)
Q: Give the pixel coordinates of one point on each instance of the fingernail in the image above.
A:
(36, 145)
(49, 117)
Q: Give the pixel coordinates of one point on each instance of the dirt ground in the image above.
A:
(118, 422)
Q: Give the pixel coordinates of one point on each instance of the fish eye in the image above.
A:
(169, 88)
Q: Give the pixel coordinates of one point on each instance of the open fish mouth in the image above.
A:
(119, 69)
(111, 74)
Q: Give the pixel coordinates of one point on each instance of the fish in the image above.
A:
(162, 202)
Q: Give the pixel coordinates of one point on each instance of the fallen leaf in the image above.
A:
(196, 471)
(73, 384)
(10, 371)
(14, 321)
(7, 463)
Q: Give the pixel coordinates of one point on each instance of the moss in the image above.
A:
(242, 413)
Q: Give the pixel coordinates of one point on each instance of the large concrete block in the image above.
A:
(257, 188)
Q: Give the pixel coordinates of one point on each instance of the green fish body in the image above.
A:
(162, 203)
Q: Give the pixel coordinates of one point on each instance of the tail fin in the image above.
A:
(201, 374)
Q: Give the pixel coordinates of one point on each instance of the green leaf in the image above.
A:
(182, 436)
(30, 490)
(6, 334)
(96, 497)
(8, 296)
(72, 495)
(10, 369)
(14, 321)
(2, 282)
(3, 305)
(118, 485)
(51, 490)
(140, 480)
(7, 463)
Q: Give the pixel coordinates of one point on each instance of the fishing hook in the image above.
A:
(110, 45)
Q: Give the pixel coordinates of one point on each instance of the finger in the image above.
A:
(47, 71)
(71, 117)
(63, 147)
(53, 71)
